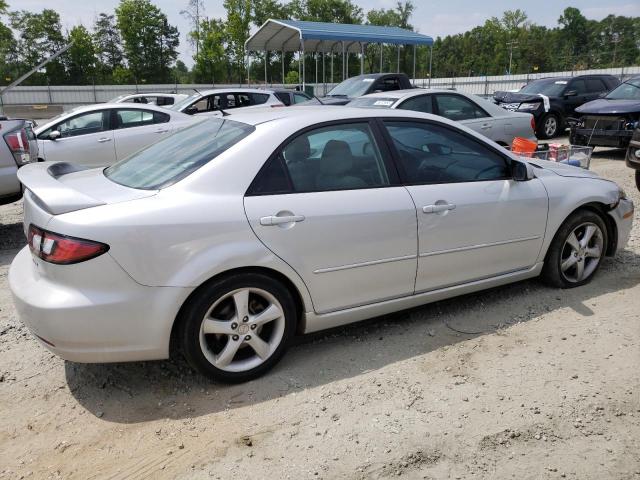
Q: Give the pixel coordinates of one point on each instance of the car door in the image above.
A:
(328, 204)
(474, 220)
(461, 109)
(85, 139)
(137, 128)
(575, 95)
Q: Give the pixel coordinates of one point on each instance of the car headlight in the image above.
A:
(528, 106)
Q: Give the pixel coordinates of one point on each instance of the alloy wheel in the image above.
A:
(582, 252)
(242, 329)
(550, 126)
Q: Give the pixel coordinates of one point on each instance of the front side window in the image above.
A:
(421, 103)
(578, 86)
(456, 107)
(173, 158)
(431, 154)
(85, 124)
(336, 157)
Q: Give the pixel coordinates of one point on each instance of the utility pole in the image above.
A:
(512, 44)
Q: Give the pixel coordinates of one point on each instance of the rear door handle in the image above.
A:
(438, 208)
(275, 220)
(161, 130)
(104, 139)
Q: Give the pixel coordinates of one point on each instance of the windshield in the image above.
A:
(629, 90)
(550, 88)
(183, 103)
(373, 102)
(173, 158)
(352, 87)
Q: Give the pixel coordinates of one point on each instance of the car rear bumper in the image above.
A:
(93, 312)
(623, 217)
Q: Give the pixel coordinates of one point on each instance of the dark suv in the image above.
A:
(553, 100)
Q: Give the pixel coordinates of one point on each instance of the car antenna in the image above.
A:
(319, 101)
(197, 91)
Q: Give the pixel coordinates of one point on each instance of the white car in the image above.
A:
(239, 232)
(211, 102)
(159, 99)
(479, 114)
(100, 135)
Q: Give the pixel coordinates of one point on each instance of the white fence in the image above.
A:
(70, 96)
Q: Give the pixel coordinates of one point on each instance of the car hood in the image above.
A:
(516, 97)
(563, 169)
(335, 100)
(604, 106)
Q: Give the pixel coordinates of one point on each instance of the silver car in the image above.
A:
(18, 147)
(486, 118)
(237, 233)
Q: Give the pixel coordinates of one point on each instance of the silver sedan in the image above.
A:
(237, 233)
(486, 118)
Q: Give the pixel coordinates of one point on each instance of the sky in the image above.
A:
(431, 17)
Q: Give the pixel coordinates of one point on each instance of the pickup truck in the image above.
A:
(355, 87)
(18, 146)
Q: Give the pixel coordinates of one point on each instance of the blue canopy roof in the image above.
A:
(288, 35)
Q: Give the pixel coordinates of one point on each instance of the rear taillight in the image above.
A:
(61, 249)
(533, 123)
(18, 143)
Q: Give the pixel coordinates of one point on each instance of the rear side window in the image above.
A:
(457, 107)
(173, 158)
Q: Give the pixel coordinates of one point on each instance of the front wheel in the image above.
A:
(237, 328)
(576, 252)
(549, 126)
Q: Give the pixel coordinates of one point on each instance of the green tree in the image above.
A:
(194, 13)
(211, 61)
(39, 35)
(81, 58)
(150, 43)
(239, 15)
(108, 45)
(336, 11)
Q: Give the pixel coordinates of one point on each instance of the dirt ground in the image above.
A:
(544, 384)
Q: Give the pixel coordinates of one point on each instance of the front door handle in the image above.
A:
(104, 139)
(485, 126)
(443, 207)
(275, 220)
(161, 130)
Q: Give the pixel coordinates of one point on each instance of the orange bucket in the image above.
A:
(524, 147)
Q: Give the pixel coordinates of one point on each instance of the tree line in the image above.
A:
(137, 44)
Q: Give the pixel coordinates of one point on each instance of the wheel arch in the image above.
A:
(270, 272)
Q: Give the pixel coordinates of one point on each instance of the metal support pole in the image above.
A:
(361, 59)
(414, 65)
(347, 63)
(381, 49)
(299, 71)
(331, 63)
(324, 78)
(304, 82)
(398, 58)
(316, 55)
(266, 56)
(248, 60)
(430, 63)
(282, 59)
(343, 61)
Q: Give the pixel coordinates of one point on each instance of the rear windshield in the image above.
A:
(550, 88)
(173, 158)
(373, 102)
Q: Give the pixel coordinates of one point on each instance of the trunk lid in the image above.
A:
(58, 188)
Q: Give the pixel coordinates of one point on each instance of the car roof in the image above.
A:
(154, 94)
(409, 92)
(234, 90)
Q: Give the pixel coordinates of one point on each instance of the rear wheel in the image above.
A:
(549, 126)
(576, 252)
(237, 328)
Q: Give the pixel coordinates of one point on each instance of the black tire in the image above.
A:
(638, 179)
(552, 272)
(544, 130)
(193, 315)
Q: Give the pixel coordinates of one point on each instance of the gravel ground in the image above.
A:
(547, 386)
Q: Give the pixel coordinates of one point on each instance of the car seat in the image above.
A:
(335, 165)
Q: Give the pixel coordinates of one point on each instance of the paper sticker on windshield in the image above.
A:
(561, 82)
(384, 103)
(368, 80)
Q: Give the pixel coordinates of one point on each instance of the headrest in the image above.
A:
(298, 150)
(336, 158)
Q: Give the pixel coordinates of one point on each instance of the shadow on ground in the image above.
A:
(143, 391)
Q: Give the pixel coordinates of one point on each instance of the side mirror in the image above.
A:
(521, 171)
(191, 110)
(54, 135)
(570, 93)
(602, 94)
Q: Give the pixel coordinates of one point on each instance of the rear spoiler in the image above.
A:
(41, 179)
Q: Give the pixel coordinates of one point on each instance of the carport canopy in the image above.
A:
(295, 35)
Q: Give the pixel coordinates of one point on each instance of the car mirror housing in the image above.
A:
(570, 93)
(521, 171)
(54, 135)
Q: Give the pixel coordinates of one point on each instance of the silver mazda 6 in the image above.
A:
(235, 234)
